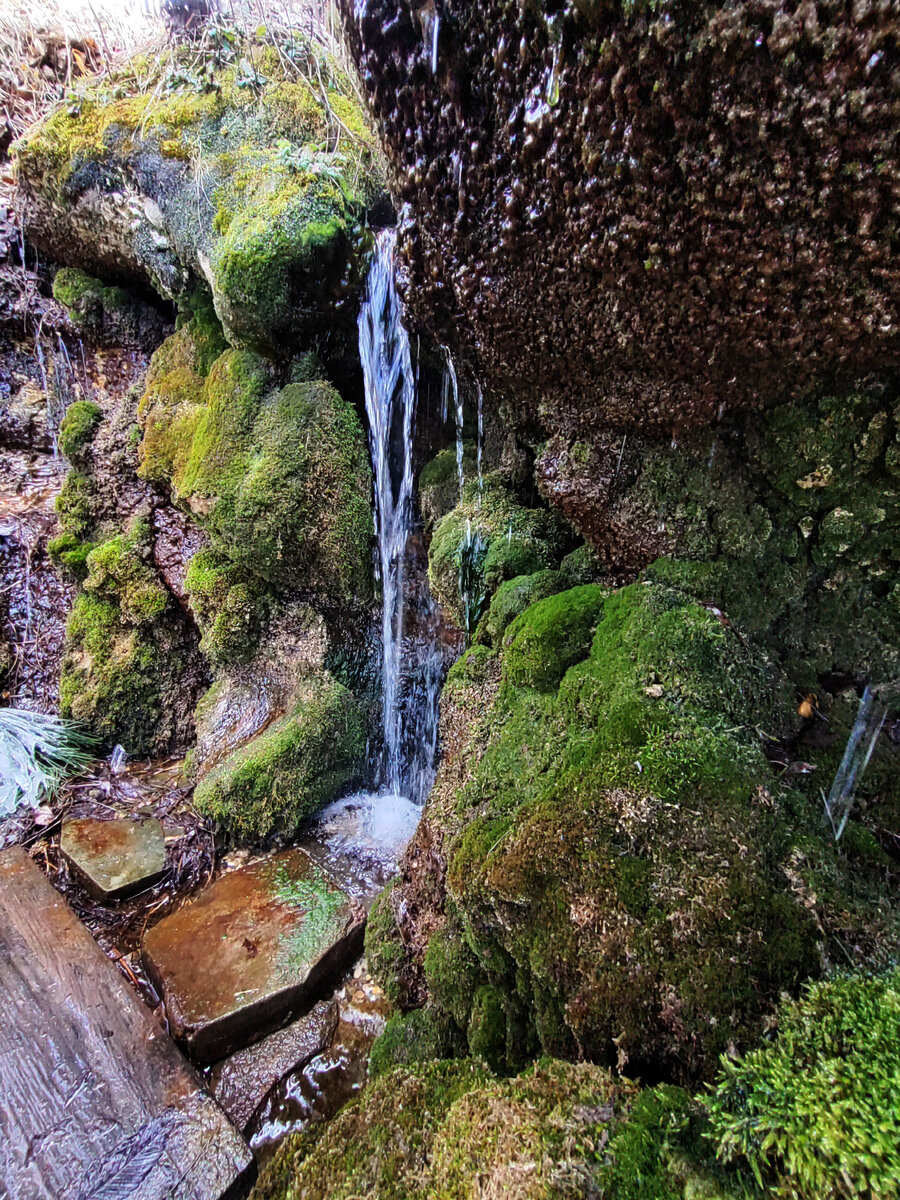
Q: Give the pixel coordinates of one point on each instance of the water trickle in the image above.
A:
(411, 662)
(451, 384)
(480, 443)
(860, 746)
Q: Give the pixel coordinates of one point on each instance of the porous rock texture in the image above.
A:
(638, 212)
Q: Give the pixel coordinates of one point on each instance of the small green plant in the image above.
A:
(37, 752)
(814, 1114)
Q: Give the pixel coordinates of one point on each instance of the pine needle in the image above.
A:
(37, 753)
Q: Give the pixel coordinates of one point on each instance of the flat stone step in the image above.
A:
(96, 1102)
(114, 859)
(242, 1082)
(251, 949)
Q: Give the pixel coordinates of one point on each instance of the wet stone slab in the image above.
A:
(114, 859)
(251, 949)
(242, 1082)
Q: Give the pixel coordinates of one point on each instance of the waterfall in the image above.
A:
(410, 672)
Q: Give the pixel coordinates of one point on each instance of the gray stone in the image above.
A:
(114, 858)
(242, 1082)
(250, 950)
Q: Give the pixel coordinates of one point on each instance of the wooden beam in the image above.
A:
(96, 1101)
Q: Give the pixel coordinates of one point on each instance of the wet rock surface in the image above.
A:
(114, 858)
(639, 213)
(241, 1083)
(250, 949)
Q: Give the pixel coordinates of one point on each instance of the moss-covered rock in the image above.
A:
(450, 1131)
(488, 538)
(625, 879)
(512, 598)
(77, 429)
(279, 478)
(300, 762)
(231, 607)
(70, 553)
(125, 648)
(77, 504)
(255, 180)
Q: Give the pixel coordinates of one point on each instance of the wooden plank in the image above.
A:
(96, 1101)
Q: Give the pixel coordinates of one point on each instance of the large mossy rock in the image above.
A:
(299, 763)
(278, 477)
(607, 866)
(450, 1131)
(240, 171)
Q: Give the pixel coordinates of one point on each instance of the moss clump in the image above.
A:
(70, 553)
(123, 655)
(280, 480)
(76, 432)
(78, 504)
(384, 949)
(488, 538)
(421, 1036)
(230, 605)
(285, 773)
(100, 310)
(814, 1113)
(439, 483)
(379, 1145)
(512, 598)
(117, 570)
(551, 635)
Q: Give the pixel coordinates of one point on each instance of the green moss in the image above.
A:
(231, 607)
(281, 481)
(67, 551)
(92, 304)
(550, 636)
(421, 1036)
(78, 504)
(512, 598)
(76, 432)
(615, 860)
(384, 946)
(118, 570)
(486, 539)
(298, 764)
(379, 1145)
(814, 1113)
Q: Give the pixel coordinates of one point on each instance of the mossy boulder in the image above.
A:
(231, 607)
(70, 553)
(487, 538)
(125, 651)
(439, 483)
(451, 1131)
(279, 478)
(624, 877)
(300, 762)
(255, 180)
(512, 598)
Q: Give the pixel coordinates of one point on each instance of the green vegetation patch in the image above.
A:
(231, 607)
(77, 429)
(813, 1113)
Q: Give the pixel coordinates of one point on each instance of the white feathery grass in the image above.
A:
(37, 753)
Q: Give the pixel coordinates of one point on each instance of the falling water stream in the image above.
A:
(376, 825)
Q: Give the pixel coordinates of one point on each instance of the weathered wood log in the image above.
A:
(96, 1102)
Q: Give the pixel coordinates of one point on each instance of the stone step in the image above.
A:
(241, 1083)
(95, 1100)
(114, 859)
(254, 947)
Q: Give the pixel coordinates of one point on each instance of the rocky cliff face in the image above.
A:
(640, 212)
